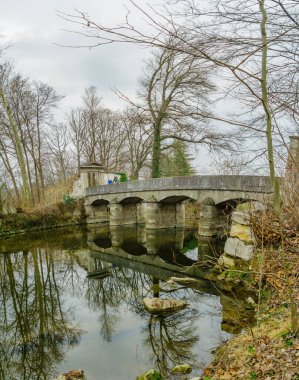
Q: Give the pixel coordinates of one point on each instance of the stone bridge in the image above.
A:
(160, 202)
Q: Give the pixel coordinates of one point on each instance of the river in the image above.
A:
(73, 299)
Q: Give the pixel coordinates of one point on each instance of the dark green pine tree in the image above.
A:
(176, 161)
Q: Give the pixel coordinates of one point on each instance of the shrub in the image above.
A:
(123, 177)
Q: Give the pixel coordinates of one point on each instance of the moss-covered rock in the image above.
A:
(242, 232)
(182, 368)
(151, 374)
(159, 305)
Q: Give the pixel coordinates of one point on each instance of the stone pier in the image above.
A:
(213, 222)
(116, 214)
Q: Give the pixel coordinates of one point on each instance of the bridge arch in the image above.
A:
(175, 199)
(131, 200)
(215, 218)
(98, 211)
(170, 210)
(99, 202)
(129, 210)
(232, 203)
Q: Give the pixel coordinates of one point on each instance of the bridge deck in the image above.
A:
(257, 184)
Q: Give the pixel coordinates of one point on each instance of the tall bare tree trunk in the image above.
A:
(9, 169)
(18, 147)
(274, 180)
(156, 150)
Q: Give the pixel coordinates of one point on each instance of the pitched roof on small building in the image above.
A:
(93, 166)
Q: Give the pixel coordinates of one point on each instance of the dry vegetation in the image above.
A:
(266, 352)
(54, 194)
(270, 350)
(57, 209)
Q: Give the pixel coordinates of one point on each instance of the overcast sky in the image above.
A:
(33, 30)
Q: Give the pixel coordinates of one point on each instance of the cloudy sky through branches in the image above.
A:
(33, 30)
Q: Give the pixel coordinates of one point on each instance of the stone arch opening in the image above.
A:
(132, 210)
(131, 200)
(99, 211)
(227, 207)
(99, 202)
(175, 199)
(172, 211)
(215, 218)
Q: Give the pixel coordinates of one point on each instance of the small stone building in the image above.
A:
(92, 174)
(292, 167)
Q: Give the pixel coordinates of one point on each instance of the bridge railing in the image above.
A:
(257, 184)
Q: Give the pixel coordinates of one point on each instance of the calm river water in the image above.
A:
(73, 299)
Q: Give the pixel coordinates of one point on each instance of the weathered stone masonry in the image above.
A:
(159, 203)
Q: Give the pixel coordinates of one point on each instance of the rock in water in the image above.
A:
(159, 305)
(226, 262)
(182, 368)
(186, 281)
(75, 374)
(151, 375)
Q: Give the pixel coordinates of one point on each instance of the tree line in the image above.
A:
(245, 52)
(149, 138)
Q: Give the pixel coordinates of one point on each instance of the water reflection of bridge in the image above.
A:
(158, 255)
(146, 250)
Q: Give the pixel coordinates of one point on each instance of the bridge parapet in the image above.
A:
(256, 184)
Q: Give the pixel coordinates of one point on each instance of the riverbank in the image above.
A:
(270, 350)
(55, 216)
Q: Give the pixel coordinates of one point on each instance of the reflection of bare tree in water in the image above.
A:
(170, 340)
(107, 294)
(35, 329)
(104, 295)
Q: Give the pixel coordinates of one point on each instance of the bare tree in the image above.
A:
(26, 109)
(96, 133)
(77, 133)
(139, 140)
(173, 94)
(9, 122)
(58, 143)
(36, 107)
(253, 44)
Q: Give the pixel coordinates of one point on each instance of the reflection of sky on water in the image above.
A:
(119, 337)
(125, 356)
(192, 254)
(109, 360)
